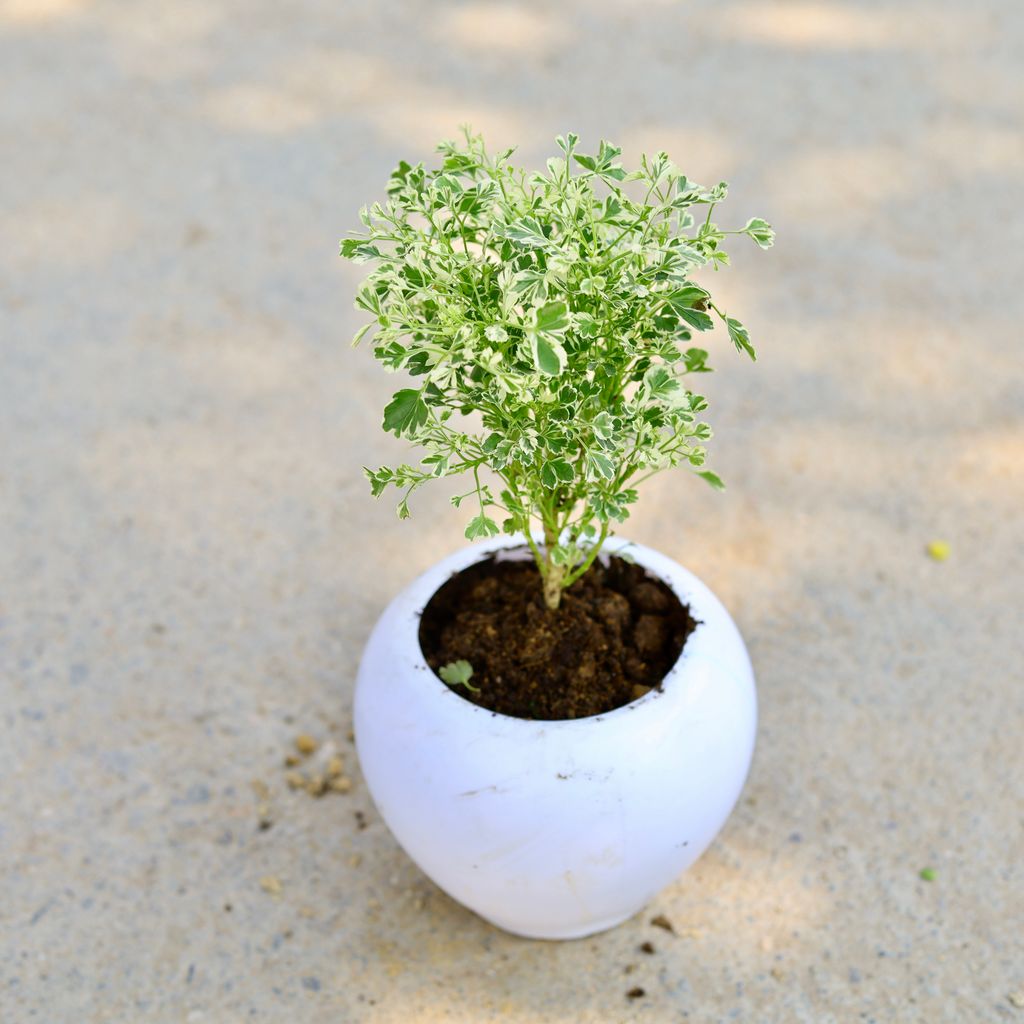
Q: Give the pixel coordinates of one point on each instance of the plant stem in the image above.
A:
(581, 569)
(553, 574)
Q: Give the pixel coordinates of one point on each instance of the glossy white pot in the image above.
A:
(555, 829)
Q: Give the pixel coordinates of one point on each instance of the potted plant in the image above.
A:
(553, 722)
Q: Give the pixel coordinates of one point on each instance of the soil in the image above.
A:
(615, 635)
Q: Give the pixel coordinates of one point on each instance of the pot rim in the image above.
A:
(679, 580)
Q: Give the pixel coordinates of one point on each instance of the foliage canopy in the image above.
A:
(560, 310)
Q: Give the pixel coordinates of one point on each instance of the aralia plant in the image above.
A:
(547, 321)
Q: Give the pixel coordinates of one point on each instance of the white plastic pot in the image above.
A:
(555, 829)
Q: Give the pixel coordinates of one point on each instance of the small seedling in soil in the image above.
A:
(928, 874)
(458, 673)
(560, 309)
(938, 550)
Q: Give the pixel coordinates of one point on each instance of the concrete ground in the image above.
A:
(190, 560)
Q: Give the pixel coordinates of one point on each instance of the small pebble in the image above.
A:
(661, 921)
(636, 993)
(340, 784)
(305, 744)
(335, 767)
(938, 550)
(648, 948)
(295, 780)
(292, 760)
(1017, 999)
(264, 816)
(316, 785)
(271, 884)
(640, 691)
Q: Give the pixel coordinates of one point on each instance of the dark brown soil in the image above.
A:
(616, 634)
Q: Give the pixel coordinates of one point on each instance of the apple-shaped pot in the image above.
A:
(555, 829)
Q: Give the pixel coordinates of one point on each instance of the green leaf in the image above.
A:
(600, 465)
(695, 360)
(740, 338)
(458, 673)
(695, 318)
(568, 143)
(548, 355)
(526, 231)
(556, 472)
(660, 383)
(612, 208)
(761, 232)
(561, 555)
(358, 250)
(712, 478)
(481, 526)
(545, 331)
(552, 317)
(405, 413)
(603, 426)
(379, 479)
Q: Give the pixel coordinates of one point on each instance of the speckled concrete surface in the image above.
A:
(189, 560)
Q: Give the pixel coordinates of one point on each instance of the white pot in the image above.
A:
(555, 829)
